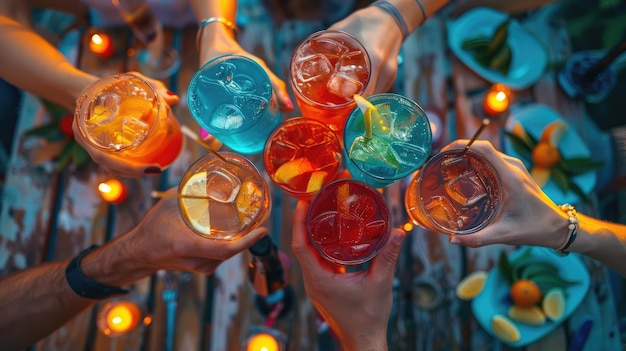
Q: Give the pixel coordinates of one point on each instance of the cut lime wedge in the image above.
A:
(374, 150)
(375, 118)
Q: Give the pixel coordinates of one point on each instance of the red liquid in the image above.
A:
(454, 195)
(327, 70)
(305, 153)
(348, 222)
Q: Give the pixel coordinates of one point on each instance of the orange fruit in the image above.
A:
(545, 155)
(525, 293)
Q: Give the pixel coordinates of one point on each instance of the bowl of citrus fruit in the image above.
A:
(526, 295)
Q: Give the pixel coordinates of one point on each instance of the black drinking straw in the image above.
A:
(482, 127)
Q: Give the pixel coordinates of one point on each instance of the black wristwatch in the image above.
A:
(86, 287)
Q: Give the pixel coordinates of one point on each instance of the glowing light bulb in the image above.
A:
(122, 317)
(113, 191)
(407, 227)
(101, 45)
(262, 342)
(497, 99)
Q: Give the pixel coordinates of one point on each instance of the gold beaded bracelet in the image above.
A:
(572, 227)
(208, 21)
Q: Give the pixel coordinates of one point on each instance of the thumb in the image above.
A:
(384, 263)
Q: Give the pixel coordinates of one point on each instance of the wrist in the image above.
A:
(376, 342)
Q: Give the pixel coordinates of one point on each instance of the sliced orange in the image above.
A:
(343, 192)
(136, 107)
(553, 132)
(248, 201)
(291, 169)
(196, 210)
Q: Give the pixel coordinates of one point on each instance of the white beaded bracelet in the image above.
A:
(572, 227)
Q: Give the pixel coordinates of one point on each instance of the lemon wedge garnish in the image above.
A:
(471, 286)
(369, 113)
(316, 181)
(196, 210)
(291, 169)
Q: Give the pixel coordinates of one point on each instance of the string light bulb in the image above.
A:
(119, 318)
(262, 342)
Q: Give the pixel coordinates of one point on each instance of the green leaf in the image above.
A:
(578, 165)
(520, 146)
(79, 155)
(538, 269)
(65, 158)
(578, 26)
(506, 270)
(580, 193)
(50, 132)
(55, 110)
(560, 179)
(548, 282)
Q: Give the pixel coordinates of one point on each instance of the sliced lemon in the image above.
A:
(540, 175)
(553, 304)
(504, 329)
(471, 286)
(196, 210)
(519, 131)
(532, 315)
(369, 113)
(316, 181)
(291, 169)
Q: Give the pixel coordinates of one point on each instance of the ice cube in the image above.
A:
(284, 150)
(224, 73)
(227, 117)
(443, 212)
(314, 67)
(453, 167)
(466, 189)
(360, 250)
(344, 86)
(328, 47)
(242, 84)
(224, 218)
(409, 154)
(324, 228)
(104, 108)
(251, 106)
(352, 63)
(350, 228)
(374, 229)
(360, 206)
(222, 185)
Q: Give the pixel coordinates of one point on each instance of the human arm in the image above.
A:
(38, 300)
(530, 217)
(382, 38)
(217, 39)
(356, 305)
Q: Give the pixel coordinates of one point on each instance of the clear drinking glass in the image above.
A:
(232, 98)
(348, 222)
(400, 143)
(454, 193)
(157, 60)
(122, 114)
(301, 156)
(327, 69)
(230, 196)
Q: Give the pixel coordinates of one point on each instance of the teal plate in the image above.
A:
(494, 297)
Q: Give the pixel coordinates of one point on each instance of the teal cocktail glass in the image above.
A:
(232, 98)
(400, 143)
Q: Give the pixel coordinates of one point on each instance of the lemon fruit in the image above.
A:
(504, 329)
(369, 113)
(553, 304)
(553, 132)
(471, 286)
(291, 169)
(196, 210)
(532, 315)
(316, 181)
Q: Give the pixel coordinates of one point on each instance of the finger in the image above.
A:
(383, 264)
(300, 241)
(284, 101)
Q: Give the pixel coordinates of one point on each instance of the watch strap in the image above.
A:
(86, 287)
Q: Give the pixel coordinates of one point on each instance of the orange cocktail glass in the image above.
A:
(327, 69)
(123, 115)
(302, 155)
